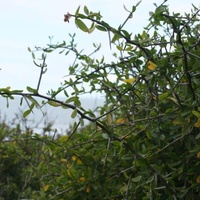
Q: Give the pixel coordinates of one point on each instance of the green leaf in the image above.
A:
(71, 99)
(21, 101)
(136, 179)
(173, 100)
(133, 8)
(163, 96)
(34, 91)
(77, 102)
(105, 24)
(77, 11)
(138, 3)
(6, 90)
(195, 113)
(91, 29)
(27, 112)
(17, 91)
(126, 34)
(86, 10)
(53, 103)
(30, 98)
(48, 50)
(11, 97)
(82, 16)
(81, 25)
(150, 179)
(101, 28)
(82, 122)
(119, 48)
(33, 56)
(74, 113)
(109, 118)
(197, 136)
(115, 38)
(129, 48)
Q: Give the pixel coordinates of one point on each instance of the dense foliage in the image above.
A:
(144, 141)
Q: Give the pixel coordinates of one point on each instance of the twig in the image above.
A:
(106, 156)
(73, 131)
(41, 72)
(115, 31)
(171, 143)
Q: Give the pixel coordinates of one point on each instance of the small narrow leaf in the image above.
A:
(81, 25)
(136, 179)
(34, 91)
(82, 122)
(53, 103)
(6, 90)
(77, 102)
(17, 91)
(74, 113)
(115, 38)
(173, 100)
(127, 35)
(138, 3)
(128, 48)
(119, 48)
(195, 113)
(77, 11)
(71, 99)
(109, 118)
(163, 96)
(26, 113)
(21, 101)
(86, 10)
(30, 98)
(101, 28)
(178, 122)
(133, 8)
(33, 56)
(91, 29)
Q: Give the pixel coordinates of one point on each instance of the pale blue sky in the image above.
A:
(28, 23)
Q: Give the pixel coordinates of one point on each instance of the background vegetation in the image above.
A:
(144, 141)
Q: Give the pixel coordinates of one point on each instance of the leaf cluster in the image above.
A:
(142, 143)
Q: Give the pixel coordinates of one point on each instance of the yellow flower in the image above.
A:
(88, 189)
(151, 65)
(63, 160)
(121, 120)
(46, 187)
(197, 124)
(198, 154)
(82, 178)
(75, 158)
(198, 179)
(129, 80)
(69, 173)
